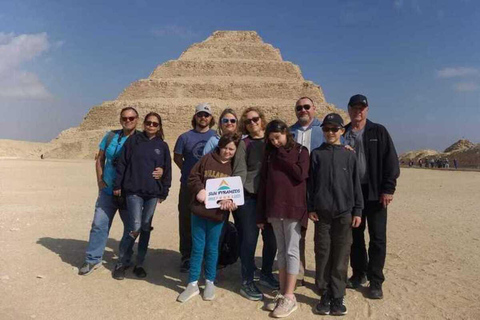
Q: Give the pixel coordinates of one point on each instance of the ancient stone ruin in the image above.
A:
(230, 68)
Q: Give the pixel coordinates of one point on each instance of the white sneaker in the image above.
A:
(190, 291)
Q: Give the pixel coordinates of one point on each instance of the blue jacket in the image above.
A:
(317, 133)
(139, 158)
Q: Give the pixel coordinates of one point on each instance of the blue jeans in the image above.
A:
(140, 215)
(105, 210)
(205, 237)
(246, 223)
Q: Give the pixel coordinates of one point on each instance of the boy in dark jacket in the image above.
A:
(335, 204)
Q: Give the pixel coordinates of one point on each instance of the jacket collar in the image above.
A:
(315, 123)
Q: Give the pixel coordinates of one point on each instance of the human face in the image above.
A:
(253, 122)
(128, 120)
(358, 113)
(228, 123)
(203, 119)
(277, 139)
(305, 116)
(332, 137)
(227, 152)
(151, 125)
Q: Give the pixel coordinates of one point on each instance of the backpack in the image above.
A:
(228, 251)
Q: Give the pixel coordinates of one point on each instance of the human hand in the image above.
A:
(261, 225)
(385, 199)
(101, 184)
(157, 173)
(201, 196)
(226, 204)
(117, 192)
(356, 220)
(349, 147)
(313, 216)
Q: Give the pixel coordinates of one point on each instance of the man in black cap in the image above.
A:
(379, 170)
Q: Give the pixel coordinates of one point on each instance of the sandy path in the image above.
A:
(46, 208)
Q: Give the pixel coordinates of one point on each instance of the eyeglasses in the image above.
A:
(152, 124)
(125, 119)
(225, 120)
(249, 121)
(203, 114)
(333, 129)
(305, 106)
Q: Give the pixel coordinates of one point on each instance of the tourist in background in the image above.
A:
(378, 169)
(248, 162)
(207, 223)
(282, 203)
(107, 205)
(141, 154)
(227, 123)
(188, 150)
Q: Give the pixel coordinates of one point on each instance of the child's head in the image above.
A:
(278, 135)
(333, 129)
(227, 146)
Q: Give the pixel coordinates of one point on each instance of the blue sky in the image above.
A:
(417, 61)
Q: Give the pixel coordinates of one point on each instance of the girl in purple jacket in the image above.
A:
(282, 202)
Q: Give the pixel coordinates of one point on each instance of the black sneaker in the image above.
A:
(337, 308)
(269, 281)
(88, 268)
(355, 281)
(375, 290)
(139, 272)
(250, 291)
(323, 307)
(119, 272)
(185, 266)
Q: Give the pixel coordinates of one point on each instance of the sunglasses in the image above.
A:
(225, 120)
(152, 124)
(203, 115)
(333, 129)
(125, 119)
(249, 121)
(305, 106)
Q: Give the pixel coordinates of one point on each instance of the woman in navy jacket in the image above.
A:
(134, 180)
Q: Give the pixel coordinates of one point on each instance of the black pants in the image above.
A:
(246, 223)
(184, 221)
(333, 239)
(371, 265)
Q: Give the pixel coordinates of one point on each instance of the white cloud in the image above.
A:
(15, 50)
(457, 72)
(174, 30)
(466, 87)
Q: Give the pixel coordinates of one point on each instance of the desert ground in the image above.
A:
(46, 208)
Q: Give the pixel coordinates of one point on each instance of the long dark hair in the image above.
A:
(160, 127)
(281, 127)
(227, 138)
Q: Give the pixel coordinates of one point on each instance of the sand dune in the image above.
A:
(46, 208)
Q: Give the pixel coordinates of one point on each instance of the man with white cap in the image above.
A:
(188, 150)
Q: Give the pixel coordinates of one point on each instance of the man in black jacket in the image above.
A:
(379, 170)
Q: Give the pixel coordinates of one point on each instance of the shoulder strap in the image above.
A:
(110, 136)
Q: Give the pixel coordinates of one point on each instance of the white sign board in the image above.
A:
(224, 188)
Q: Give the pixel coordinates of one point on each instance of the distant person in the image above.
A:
(207, 223)
(455, 163)
(282, 203)
(308, 132)
(447, 163)
(107, 205)
(335, 204)
(227, 123)
(41, 156)
(378, 170)
(188, 150)
(141, 154)
(248, 162)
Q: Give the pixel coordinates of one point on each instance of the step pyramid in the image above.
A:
(230, 68)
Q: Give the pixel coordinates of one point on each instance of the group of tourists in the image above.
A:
(340, 177)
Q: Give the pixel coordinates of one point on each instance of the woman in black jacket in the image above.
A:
(135, 181)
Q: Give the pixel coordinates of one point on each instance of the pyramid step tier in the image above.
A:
(244, 51)
(227, 68)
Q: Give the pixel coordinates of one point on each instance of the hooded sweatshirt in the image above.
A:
(333, 183)
(139, 158)
(209, 167)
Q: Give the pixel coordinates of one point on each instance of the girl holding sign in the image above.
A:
(207, 223)
(284, 205)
